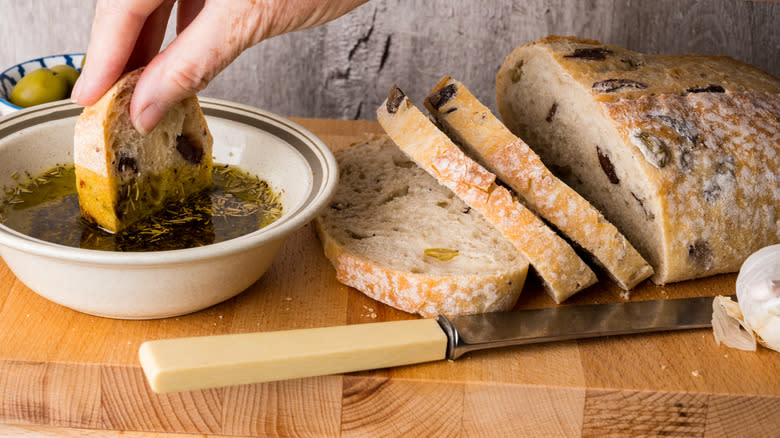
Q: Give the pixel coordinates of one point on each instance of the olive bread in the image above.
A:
(480, 133)
(392, 232)
(123, 176)
(680, 152)
(562, 271)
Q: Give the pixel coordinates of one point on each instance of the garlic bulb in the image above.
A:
(758, 311)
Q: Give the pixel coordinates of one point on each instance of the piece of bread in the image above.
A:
(561, 270)
(472, 126)
(123, 176)
(680, 152)
(392, 232)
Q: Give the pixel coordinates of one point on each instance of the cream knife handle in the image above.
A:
(184, 364)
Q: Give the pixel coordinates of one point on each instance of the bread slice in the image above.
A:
(562, 271)
(396, 235)
(680, 152)
(484, 137)
(123, 176)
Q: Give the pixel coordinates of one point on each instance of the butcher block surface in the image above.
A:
(63, 369)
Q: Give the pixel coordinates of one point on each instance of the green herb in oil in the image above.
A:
(46, 207)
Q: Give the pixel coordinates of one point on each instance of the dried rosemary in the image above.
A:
(46, 207)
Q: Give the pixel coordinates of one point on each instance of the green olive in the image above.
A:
(69, 73)
(39, 86)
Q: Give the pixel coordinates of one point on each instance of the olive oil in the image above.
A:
(47, 207)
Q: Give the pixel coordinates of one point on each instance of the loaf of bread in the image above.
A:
(480, 133)
(562, 271)
(392, 232)
(123, 176)
(680, 152)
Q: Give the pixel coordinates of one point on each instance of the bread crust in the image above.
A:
(690, 145)
(475, 128)
(123, 176)
(561, 270)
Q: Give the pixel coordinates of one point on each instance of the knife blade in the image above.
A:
(184, 364)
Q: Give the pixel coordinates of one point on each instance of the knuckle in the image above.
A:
(187, 76)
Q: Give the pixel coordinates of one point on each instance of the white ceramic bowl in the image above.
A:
(142, 285)
(10, 76)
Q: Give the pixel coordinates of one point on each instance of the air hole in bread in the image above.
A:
(338, 206)
(395, 194)
(357, 236)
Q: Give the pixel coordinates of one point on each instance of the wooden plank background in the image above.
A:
(345, 68)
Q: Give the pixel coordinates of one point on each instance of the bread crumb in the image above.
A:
(373, 315)
(626, 295)
(288, 299)
(726, 355)
(695, 373)
(663, 367)
(220, 316)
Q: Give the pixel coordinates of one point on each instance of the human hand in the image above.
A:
(127, 34)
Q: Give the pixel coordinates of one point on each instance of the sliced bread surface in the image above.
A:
(123, 176)
(394, 233)
(680, 152)
(562, 271)
(477, 130)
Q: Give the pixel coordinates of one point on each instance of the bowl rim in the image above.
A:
(317, 196)
(5, 101)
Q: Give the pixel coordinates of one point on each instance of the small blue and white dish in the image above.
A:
(11, 76)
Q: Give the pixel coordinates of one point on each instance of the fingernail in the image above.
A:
(149, 117)
(76, 92)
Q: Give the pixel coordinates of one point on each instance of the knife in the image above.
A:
(184, 364)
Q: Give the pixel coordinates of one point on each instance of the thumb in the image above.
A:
(203, 49)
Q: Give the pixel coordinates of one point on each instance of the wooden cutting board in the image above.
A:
(60, 368)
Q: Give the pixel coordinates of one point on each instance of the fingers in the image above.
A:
(187, 11)
(212, 33)
(151, 37)
(211, 41)
(115, 30)
(292, 15)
